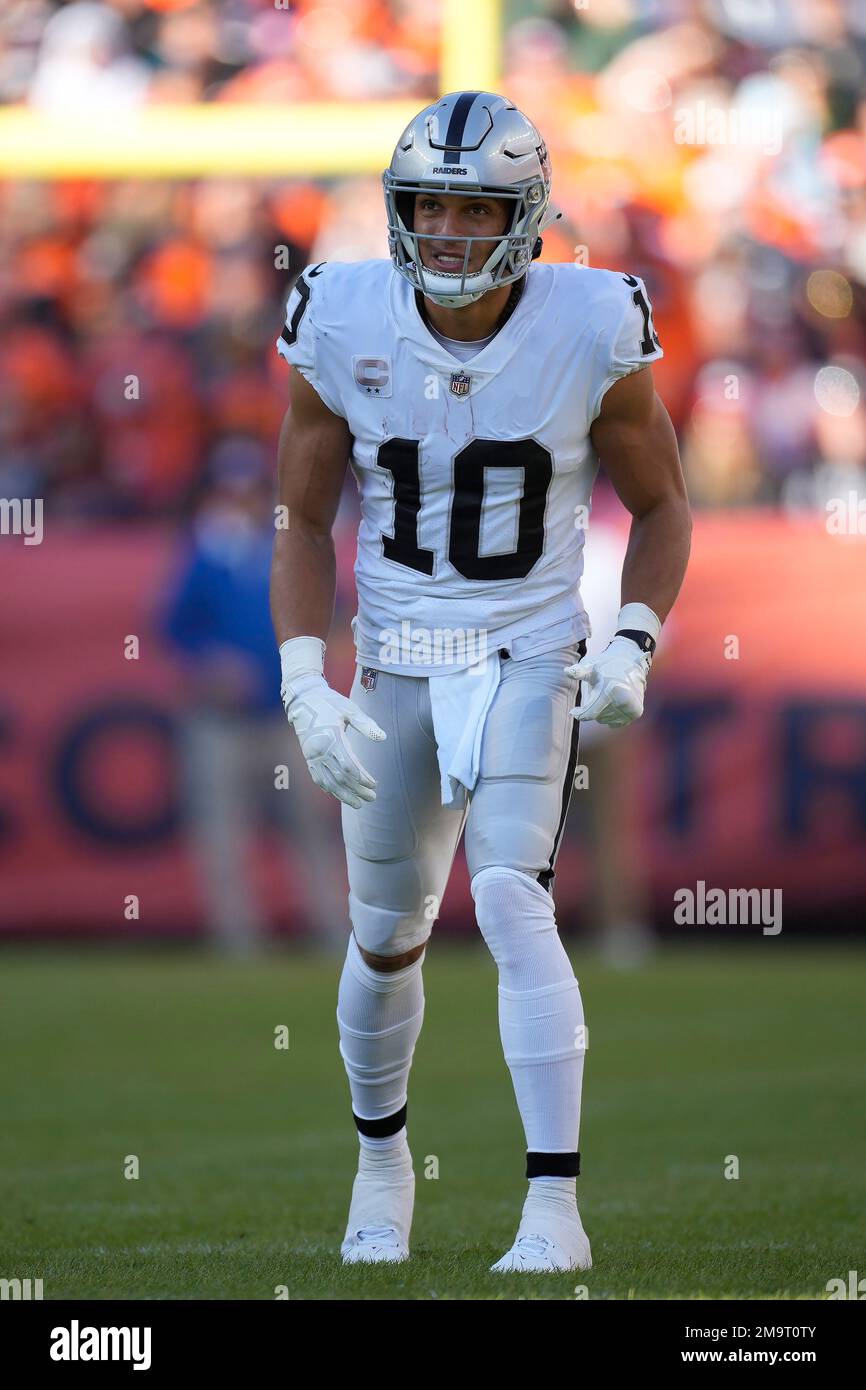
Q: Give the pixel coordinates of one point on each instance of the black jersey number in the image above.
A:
(400, 458)
(290, 332)
(650, 340)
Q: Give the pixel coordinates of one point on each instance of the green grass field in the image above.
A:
(247, 1152)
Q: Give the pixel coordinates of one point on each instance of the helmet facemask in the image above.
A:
(468, 144)
(512, 253)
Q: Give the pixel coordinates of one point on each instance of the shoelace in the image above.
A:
(377, 1233)
(533, 1245)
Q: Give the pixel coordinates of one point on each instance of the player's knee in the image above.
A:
(386, 931)
(512, 909)
(389, 912)
(388, 964)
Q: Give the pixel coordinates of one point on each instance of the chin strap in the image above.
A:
(512, 303)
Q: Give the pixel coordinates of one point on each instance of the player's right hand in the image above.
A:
(320, 717)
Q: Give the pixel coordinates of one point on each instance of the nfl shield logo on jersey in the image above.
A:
(460, 383)
(369, 676)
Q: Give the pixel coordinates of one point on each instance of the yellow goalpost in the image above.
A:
(306, 139)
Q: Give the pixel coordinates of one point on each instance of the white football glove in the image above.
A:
(614, 682)
(320, 716)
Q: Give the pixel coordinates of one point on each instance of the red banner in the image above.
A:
(748, 769)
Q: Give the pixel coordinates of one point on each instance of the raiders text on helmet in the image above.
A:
(469, 142)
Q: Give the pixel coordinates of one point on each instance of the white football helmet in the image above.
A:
(469, 142)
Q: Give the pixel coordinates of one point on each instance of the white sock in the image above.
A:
(388, 1157)
(558, 1196)
(379, 1015)
(540, 1008)
(387, 1144)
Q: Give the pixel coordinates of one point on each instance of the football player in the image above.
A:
(473, 393)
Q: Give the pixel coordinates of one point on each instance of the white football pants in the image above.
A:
(400, 847)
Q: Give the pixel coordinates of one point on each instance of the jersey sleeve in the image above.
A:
(300, 340)
(633, 342)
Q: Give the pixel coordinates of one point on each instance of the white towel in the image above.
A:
(459, 702)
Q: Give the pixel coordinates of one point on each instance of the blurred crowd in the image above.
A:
(717, 148)
(109, 54)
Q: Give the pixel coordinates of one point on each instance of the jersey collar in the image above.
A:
(484, 366)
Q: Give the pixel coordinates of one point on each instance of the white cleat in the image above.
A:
(380, 1214)
(371, 1245)
(543, 1247)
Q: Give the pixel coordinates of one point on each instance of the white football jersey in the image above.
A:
(474, 477)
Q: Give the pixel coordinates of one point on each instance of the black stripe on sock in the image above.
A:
(380, 1129)
(552, 1165)
(457, 125)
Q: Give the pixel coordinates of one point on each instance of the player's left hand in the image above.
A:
(613, 684)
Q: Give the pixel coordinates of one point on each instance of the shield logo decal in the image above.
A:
(460, 383)
(369, 676)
